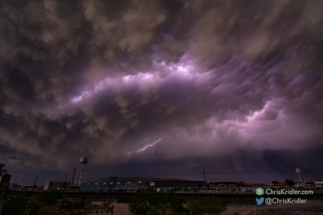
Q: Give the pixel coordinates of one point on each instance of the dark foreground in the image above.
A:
(314, 207)
(236, 203)
(249, 199)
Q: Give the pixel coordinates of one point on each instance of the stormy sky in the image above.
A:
(162, 88)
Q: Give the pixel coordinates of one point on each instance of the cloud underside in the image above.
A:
(95, 78)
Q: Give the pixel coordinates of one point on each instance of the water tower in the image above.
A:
(299, 175)
(81, 171)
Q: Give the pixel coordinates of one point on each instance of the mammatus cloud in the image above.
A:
(94, 77)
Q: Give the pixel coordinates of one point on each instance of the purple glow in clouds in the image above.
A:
(224, 79)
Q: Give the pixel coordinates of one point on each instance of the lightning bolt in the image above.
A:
(144, 148)
(142, 141)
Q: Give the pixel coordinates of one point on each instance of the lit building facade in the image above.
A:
(57, 185)
(137, 183)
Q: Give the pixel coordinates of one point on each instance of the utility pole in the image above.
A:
(65, 182)
(204, 174)
(73, 176)
(35, 181)
(115, 181)
(14, 184)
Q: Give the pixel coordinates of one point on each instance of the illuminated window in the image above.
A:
(57, 188)
(128, 182)
(96, 183)
(118, 182)
(111, 182)
(139, 182)
(104, 183)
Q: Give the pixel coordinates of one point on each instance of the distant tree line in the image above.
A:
(290, 182)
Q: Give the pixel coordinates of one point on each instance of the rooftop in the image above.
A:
(150, 179)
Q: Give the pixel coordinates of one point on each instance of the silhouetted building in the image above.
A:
(75, 188)
(318, 183)
(5, 180)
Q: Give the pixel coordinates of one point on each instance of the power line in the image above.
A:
(194, 173)
(274, 165)
(185, 174)
(266, 171)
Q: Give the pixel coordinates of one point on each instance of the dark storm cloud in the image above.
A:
(95, 78)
